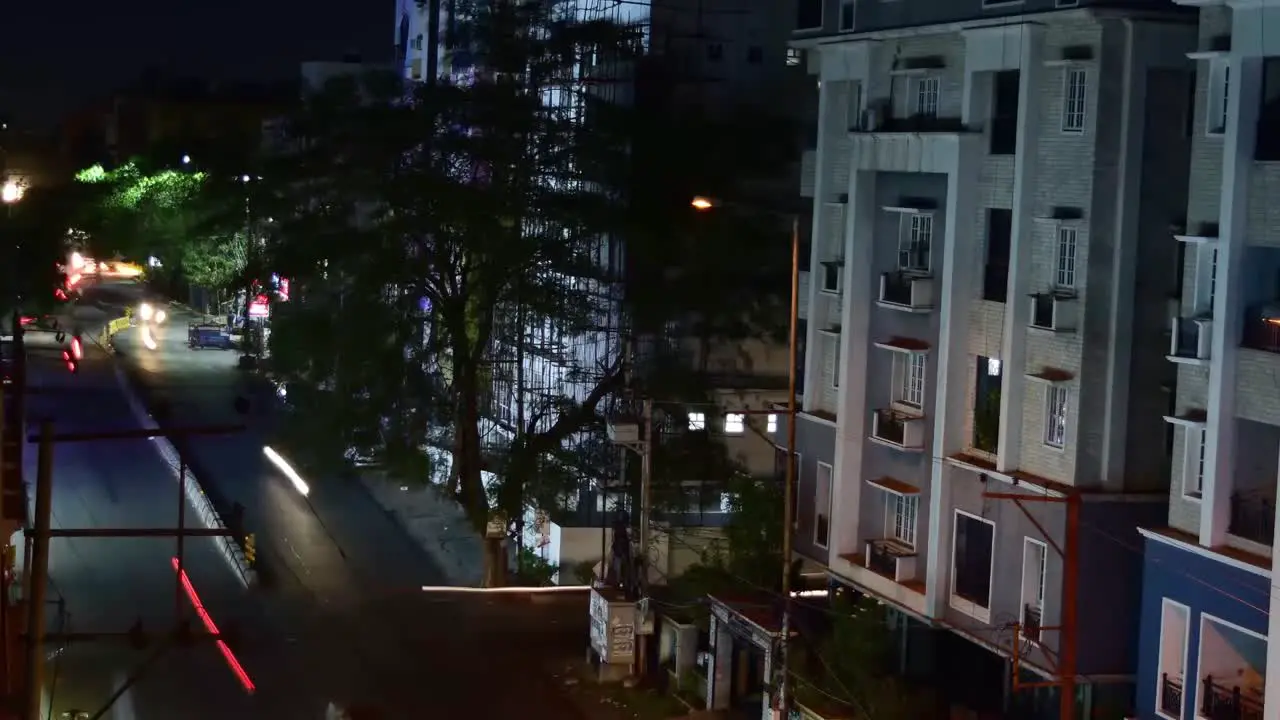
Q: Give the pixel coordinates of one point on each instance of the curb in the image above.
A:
(196, 495)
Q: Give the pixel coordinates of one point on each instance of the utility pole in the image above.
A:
(646, 485)
(788, 491)
(43, 532)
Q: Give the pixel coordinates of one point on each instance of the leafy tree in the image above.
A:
(33, 233)
(424, 230)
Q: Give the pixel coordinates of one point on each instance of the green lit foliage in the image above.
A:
(191, 221)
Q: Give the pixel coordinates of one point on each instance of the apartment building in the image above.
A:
(725, 52)
(993, 185)
(1208, 596)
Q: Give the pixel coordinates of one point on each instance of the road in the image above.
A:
(340, 615)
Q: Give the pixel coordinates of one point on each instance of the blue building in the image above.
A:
(1203, 633)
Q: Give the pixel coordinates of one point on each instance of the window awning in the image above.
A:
(893, 486)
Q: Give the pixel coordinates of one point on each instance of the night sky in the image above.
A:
(58, 56)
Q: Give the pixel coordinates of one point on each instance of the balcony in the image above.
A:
(912, 144)
(1253, 516)
(1170, 695)
(906, 291)
(1262, 329)
(1220, 701)
(1190, 340)
(1053, 312)
(898, 429)
(1031, 622)
(891, 559)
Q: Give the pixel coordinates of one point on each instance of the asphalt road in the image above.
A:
(340, 615)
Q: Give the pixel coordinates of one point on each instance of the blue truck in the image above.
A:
(209, 335)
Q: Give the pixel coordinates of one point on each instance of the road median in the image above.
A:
(209, 505)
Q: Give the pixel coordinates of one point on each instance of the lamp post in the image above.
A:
(783, 705)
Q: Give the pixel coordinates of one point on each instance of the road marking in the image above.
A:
(123, 708)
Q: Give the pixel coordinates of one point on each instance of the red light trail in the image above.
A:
(212, 628)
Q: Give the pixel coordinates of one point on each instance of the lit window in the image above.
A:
(697, 421)
(771, 424)
(735, 423)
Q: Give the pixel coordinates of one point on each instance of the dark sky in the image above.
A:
(56, 56)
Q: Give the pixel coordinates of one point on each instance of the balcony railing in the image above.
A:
(897, 289)
(1191, 338)
(1170, 695)
(1253, 516)
(881, 561)
(1223, 702)
(1260, 333)
(1031, 622)
(891, 427)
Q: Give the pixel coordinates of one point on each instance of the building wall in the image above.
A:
(1205, 586)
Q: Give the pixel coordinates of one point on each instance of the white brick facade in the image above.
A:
(1100, 359)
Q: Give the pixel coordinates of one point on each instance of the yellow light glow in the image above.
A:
(11, 192)
(701, 203)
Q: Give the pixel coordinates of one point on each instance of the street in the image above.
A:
(339, 616)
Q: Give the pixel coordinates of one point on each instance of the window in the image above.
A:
(855, 107)
(755, 54)
(915, 242)
(735, 424)
(795, 57)
(771, 423)
(995, 275)
(926, 100)
(1268, 139)
(1035, 562)
(835, 362)
(697, 421)
(715, 51)
(986, 404)
(972, 564)
(1193, 465)
(1219, 96)
(1175, 629)
(1055, 417)
(1068, 3)
(1004, 115)
(832, 277)
(1065, 277)
(846, 14)
(905, 509)
(1073, 101)
(910, 369)
(1213, 276)
(822, 506)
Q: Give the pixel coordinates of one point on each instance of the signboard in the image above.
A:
(259, 307)
(613, 630)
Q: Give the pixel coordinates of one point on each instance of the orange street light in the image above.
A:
(702, 203)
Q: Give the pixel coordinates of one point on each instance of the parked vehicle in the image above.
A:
(209, 335)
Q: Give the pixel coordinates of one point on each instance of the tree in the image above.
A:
(425, 231)
(34, 232)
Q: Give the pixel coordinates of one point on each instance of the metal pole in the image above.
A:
(788, 490)
(39, 572)
(646, 484)
(1070, 592)
(178, 597)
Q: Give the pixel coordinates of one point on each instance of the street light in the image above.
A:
(11, 192)
(701, 204)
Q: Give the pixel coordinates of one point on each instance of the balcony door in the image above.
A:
(972, 563)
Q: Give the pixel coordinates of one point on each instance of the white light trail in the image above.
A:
(147, 340)
(506, 590)
(283, 466)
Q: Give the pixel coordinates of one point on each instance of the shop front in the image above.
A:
(743, 637)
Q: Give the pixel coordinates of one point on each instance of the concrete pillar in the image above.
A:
(824, 160)
(1228, 306)
(1017, 314)
(720, 674)
(956, 288)
(855, 346)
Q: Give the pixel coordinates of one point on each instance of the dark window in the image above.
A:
(755, 54)
(1004, 115)
(715, 51)
(972, 555)
(809, 15)
(846, 15)
(1268, 148)
(995, 275)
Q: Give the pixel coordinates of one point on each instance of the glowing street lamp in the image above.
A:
(11, 192)
(700, 202)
